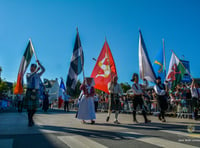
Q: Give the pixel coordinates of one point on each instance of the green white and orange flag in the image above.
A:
(23, 66)
(176, 71)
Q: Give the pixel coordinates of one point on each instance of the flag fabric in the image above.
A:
(145, 67)
(104, 69)
(23, 66)
(53, 91)
(159, 66)
(61, 94)
(76, 65)
(176, 71)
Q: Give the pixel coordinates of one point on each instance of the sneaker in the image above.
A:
(107, 119)
(92, 122)
(163, 120)
(116, 122)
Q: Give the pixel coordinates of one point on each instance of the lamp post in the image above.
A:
(94, 59)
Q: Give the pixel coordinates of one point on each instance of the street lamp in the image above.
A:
(94, 59)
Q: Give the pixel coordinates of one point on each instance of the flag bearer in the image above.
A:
(31, 101)
(137, 98)
(161, 95)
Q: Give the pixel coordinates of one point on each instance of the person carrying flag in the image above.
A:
(137, 98)
(115, 91)
(31, 101)
(161, 95)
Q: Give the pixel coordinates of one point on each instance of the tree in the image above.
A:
(125, 86)
(3, 88)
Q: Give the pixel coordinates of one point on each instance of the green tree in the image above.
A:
(125, 86)
(3, 88)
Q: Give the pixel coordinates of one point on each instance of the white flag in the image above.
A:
(145, 67)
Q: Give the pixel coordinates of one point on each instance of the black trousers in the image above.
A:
(137, 100)
(162, 105)
(30, 115)
(66, 105)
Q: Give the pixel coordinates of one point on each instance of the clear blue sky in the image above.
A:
(51, 24)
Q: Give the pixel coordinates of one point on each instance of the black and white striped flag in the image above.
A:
(76, 65)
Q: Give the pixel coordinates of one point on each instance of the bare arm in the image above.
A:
(40, 67)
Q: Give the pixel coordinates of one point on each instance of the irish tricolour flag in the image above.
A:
(176, 71)
(23, 66)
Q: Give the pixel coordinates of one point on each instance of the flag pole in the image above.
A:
(81, 57)
(182, 65)
(164, 56)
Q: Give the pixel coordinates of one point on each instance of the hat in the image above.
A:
(134, 76)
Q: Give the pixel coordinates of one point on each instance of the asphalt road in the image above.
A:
(57, 129)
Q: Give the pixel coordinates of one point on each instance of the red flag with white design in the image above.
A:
(104, 69)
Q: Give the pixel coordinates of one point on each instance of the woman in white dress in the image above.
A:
(86, 110)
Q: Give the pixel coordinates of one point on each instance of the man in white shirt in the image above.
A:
(195, 91)
(115, 91)
(137, 98)
(160, 91)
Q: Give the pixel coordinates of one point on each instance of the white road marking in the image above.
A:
(80, 142)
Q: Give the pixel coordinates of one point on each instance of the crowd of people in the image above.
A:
(181, 101)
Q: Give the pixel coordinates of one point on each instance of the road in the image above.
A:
(62, 130)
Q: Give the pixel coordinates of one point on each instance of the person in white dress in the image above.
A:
(86, 110)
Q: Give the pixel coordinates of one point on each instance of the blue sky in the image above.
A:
(51, 24)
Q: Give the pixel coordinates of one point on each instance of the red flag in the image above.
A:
(104, 69)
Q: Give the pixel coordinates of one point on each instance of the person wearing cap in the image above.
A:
(137, 98)
(86, 109)
(115, 91)
(161, 93)
(195, 91)
(31, 100)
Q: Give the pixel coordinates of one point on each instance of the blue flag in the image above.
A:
(76, 65)
(159, 66)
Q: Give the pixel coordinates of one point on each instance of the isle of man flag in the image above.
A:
(104, 69)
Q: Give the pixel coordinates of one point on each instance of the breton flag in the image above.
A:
(76, 65)
(23, 66)
(159, 64)
(104, 69)
(176, 71)
(61, 93)
(145, 67)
